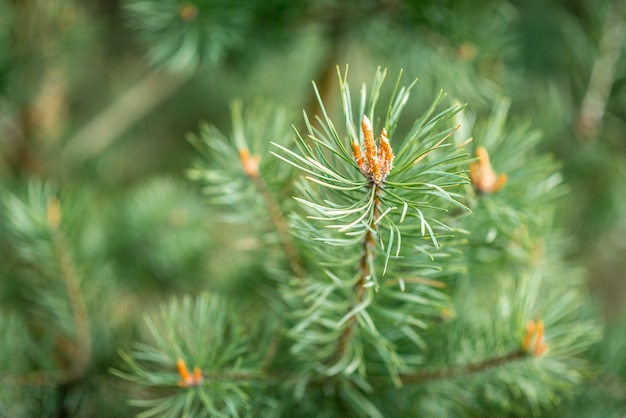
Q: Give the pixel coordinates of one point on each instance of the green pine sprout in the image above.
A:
(208, 333)
(377, 239)
(391, 280)
(240, 176)
(420, 186)
(222, 172)
(187, 35)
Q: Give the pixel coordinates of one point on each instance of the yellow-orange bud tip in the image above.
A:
(53, 212)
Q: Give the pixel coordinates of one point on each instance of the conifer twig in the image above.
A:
(532, 345)
(369, 243)
(37, 379)
(250, 165)
(293, 256)
(122, 113)
(80, 353)
(464, 370)
(374, 165)
(603, 73)
(72, 284)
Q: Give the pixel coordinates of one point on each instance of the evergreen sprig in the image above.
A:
(18, 355)
(396, 291)
(54, 285)
(513, 252)
(373, 264)
(209, 335)
(186, 35)
(56, 332)
(240, 177)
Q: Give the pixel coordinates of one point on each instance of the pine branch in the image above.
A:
(55, 353)
(363, 202)
(241, 166)
(108, 125)
(37, 379)
(80, 358)
(280, 224)
(464, 370)
(194, 34)
(377, 230)
(602, 76)
(365, 273)
(225, 347)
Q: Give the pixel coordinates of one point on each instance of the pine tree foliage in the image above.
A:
(50, 283)
(82, 289)
(514, 252)
(223, 349)
(358, 222)
(186, 35)
(167, 235)
(393, 254)
(401, 289)
(239, 179)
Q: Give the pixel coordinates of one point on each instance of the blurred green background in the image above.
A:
(103, 92)
(98, 95)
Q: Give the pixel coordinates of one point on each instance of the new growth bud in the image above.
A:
(187, 379)
(378, 160)
(53, 212)
(250, 163)
(534, 341)
(484, 178)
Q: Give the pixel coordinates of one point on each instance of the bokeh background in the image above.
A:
(97, 96)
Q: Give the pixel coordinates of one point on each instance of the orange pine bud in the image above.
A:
(530, 331)
(197, 375)
(534, 340)
(483, 176)
(386, 154)
(371, 153)
(183, 372)
(53, 212)
(250, 163)
(379, 158)
(188, 12)
(187, 379)
(358, 157)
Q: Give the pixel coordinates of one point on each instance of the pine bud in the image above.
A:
(250, 163)
(379, 159)
(534, 340)
(53, 212)
(484, 178)
(187, 379)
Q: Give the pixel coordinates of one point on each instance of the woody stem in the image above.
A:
(77, 302)
(369, 245)
(293, 256)
(464, 370)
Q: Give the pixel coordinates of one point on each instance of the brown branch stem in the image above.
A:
(37, 379)
(369, 244)
(602, 74)
(121, 114)
(81, 358)
(293, 256)
(429, 376)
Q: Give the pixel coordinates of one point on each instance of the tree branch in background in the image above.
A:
(123, 113)
(82, 354)
(250, 164)
(464, 370)
(602, 75)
